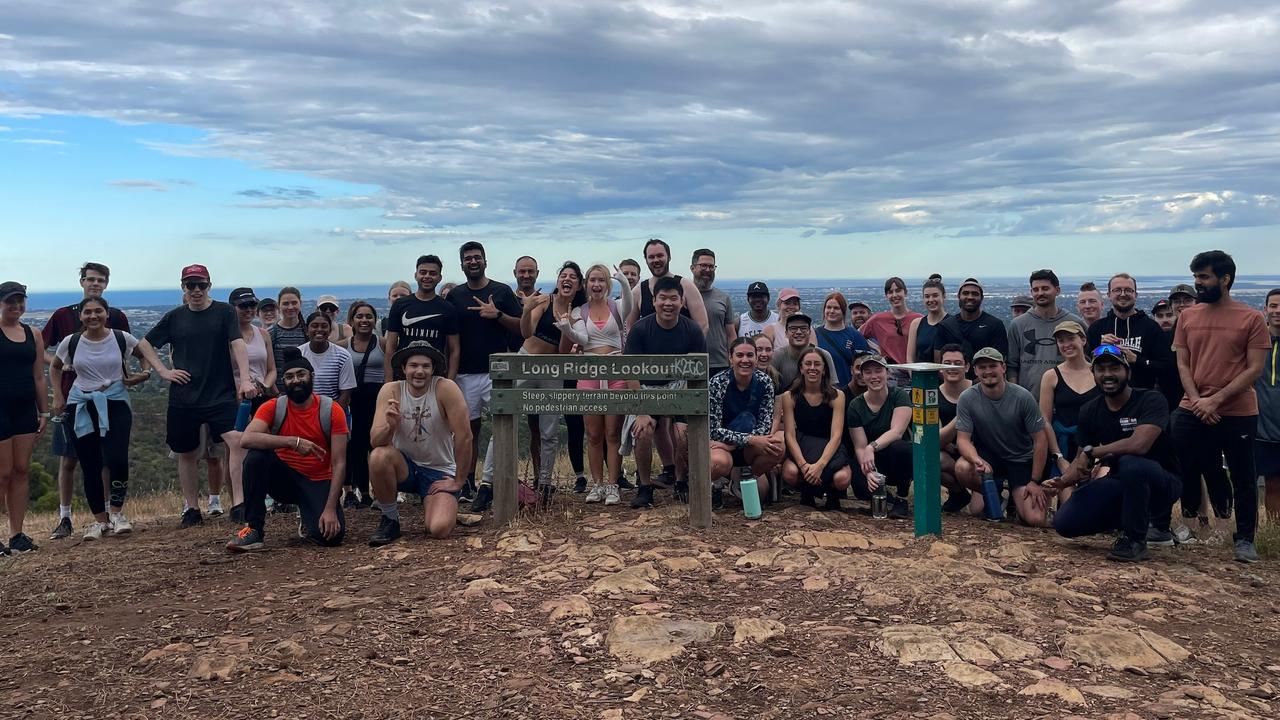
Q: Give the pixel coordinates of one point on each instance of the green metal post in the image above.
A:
(928, 478)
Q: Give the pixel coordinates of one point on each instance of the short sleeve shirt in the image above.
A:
(65, 322)
(334, 369)
(98, 362)
(877, 422)
(719, 314)
(890, 333)
(1006, 426)
(305, 423)
(647, 337)
(477, 337)
(1217, 339)
(198, 342)
(1099, 425)
(432, 320)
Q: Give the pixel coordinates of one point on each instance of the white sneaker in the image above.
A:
(120, 524)
(596, 495)
(399, 497)
(215, 505)
(611, 496)
(94, 531)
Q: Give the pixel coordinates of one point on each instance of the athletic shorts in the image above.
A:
(182, 425)
(1266, 456)
(1018, 474)
(602, 384)
(63, 444)
(18, 416)
(476, 390)
(420, 479)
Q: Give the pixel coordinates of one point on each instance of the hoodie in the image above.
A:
(1268, 388)
(1143, 336)
(1033, 351)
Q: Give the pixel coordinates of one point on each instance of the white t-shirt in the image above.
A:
(334, 368)
(98, 363)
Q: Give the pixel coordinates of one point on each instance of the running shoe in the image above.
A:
(247, 540)
(215, 506)
(237, 513)
(62, 529)
(611, 495)
(624, 483)
(898, 509)
(1126, 550)
(643, 497)
(120, 524)
(1246, 552)
(388, 531)
(95, 531)
(20, 543)
(596, 495)
(580, 485)
(190, 518)
(1159, 538)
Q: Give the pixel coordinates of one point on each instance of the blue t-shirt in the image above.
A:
(843, 345)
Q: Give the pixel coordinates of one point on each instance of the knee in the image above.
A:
(842, 478)
(441, 528)
(382, 459)
(790, 473)
(721, 463)
(255, 459)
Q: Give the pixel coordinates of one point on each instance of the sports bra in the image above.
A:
(546, 329)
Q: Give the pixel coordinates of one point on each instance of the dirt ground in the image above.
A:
(583, 612)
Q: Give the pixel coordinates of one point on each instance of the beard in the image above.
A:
(1209, 295)
(298, 392)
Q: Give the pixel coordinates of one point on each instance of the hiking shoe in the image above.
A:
(20, 543)
(681, 491)
(547, 492)
(898, 509)
(611, 495)
(4, 551)
(388, 531)
(807, 497)
(190, 518)
(247, 540)
(1158, 537)
(666, 478)
(62, 529)
(483, 498)
(833, 502)
(215, 506)
(580, 485)
(1246, 552)
(1126, 550)
(237, 513)
(95, 531)
(717, 496)
(624, 483)
(643, 497)
(469, 489)
(596, 495)
(348, 499)
(120, 524)
(957, 500)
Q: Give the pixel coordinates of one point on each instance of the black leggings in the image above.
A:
(266, 474)
(112, 451)
(577, 430)
(1136, 493)
(1200, 449)
(894, 462)
(364, 400)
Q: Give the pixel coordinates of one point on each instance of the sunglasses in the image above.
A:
(328, 308)
(195, 285)
(1110, 350)
(897, 325)
(248, 306)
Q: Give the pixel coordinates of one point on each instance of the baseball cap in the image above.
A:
(1109, 353)
(242, 295)
(875, 358)
(757, 288)
(10, 288)
(267, 302)
(858, 303)
(327, 300)
(988, 353)
(1182, 289)
(195, 271)
(799, 316)
(419, 347)
(974, 282)
(1069, 326)
(1161, 304)
(1021, 301)
(788, 294)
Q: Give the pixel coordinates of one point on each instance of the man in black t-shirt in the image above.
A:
(488, 312)
(203, 388)
(971, 328)
(1125, 468)
(423, 315)
(665, 332)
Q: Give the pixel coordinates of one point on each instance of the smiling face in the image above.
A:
(418, 370)
(788, 307)
(990, 373)
(764, 350)
(813, 368)
(318, 329)
(970, 299)
(1181, 302)
(1070, 345)
(526, 273)
(933, 299)
(598, 283)
(858, 314)
(195, 292)
(798, 333)
(631, 273)
(743, 360)
(1123, 294)
(704, 271)
(568, 282)
(666, 306)
(759, 303)
(956, 367)
(363, 321)
(474, 265)
(428, 277)
(1089, 305)
(897, 296)
(246, 312)
(93, 316)
(93, 283)
(267, 315)
(833, 312)
(1273, 312)
(874, 376)
(1112, 377)
(655, 256)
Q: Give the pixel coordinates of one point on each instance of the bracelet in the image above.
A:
(297, 443)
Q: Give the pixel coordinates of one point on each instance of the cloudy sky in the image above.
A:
(309, 141)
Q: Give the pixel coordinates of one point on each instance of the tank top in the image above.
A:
(812, 421)
(946, 410)
(16, 359)
(256, 349)
(751, 328)
(368, 365)
(925, 335)
(598, 335)
(646, 300)
(283, 337)
(1067, 402)
(424, 434)
(546, 329)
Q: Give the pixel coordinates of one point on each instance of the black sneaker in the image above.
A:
(469, 490)
(833, 502)
(237, 513)
(643, 497)
(247, 540)
(4, 551)
(624, 483)
(1156, 536)
(191, 518)
(717, 497)
(1126, 550)
(681, 491)
(20, 543)
(666, 478)
(807, 497)
(957, 500)
(62, 529)
(547, 493)
(580, 485)
(388, 531)
(348, 499)
(898, 509)
(365, 501)
(483, 498)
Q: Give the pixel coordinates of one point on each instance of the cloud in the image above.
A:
(36, 141)
(153, 185)
(961, 118)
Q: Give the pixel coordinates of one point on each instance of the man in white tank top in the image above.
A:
(421, 436)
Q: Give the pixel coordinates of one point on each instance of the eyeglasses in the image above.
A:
(704, 266)
(470, 260)
(798, 329)
(195, 285)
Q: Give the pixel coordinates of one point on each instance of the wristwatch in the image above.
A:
(1056, 456)
(1088, 452)
(875, 447)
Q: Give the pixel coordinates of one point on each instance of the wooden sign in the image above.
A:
(557, 401)
(516, 366)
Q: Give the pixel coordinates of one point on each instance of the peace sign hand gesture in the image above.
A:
(487, 309)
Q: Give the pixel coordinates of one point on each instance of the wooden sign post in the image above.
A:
(509, 370)
(925, 447)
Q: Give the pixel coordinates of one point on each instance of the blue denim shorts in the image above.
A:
(420, 479)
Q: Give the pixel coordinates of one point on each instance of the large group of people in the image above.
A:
(1082, 422)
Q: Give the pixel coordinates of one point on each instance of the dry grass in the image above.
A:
(1268, 537)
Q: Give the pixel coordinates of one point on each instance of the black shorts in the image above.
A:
(1018, 474)
(182, 425)
(739, 456)
(18, 416)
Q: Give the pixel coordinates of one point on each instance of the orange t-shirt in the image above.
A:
(305, 423)
(1218, 338)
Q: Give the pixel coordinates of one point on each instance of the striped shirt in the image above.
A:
(334, 368)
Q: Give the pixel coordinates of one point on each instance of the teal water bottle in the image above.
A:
(750, 491)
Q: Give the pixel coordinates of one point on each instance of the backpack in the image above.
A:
(75, 341)
(326, 415)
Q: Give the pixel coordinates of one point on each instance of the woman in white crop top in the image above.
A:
(596, 328)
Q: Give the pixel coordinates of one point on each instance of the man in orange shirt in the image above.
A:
(1221, 345)
(296, 456)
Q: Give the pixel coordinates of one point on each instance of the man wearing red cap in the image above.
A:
(203, 388)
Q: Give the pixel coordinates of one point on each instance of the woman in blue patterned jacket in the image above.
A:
(744, 431)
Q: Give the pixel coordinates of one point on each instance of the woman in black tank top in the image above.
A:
(813, 422)
(1062, 393)
(23, 406)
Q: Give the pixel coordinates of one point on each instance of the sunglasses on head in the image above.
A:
(195, 285)
(1111, 350)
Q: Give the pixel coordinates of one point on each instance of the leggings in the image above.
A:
(577, 429)
(364, 399)
(112, 451)
(894, 462)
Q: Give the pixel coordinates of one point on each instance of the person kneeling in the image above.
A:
(1125, 465)
(879, 423)
(421, 436)
(742, 419)
(297, 454)
(813, 415)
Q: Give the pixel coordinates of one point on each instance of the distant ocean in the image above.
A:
(1251, 289)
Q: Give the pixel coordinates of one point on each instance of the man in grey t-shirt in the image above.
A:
(721, 325)
(1033, 351)
(1000, 431)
